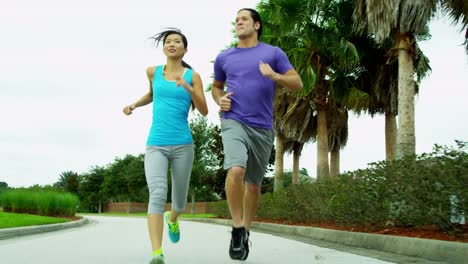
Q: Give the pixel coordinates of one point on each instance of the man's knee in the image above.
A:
(236, 174)
(253, 188)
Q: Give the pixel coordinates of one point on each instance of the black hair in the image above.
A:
(161, 36)
(256, 18)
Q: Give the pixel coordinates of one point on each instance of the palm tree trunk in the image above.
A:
(192, 208)
(322, 145)
(295, 175)
(279, 165)
(335, 162)
(406, 139)
(390, 136)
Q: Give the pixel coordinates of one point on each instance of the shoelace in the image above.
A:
(249, 241)
(174, 227)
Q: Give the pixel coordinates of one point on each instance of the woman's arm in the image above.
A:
(145, 99)
(196, 91)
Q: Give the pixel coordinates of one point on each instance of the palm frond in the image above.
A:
(458, 11)
(357, 100)
(415, 15)
(422, 67)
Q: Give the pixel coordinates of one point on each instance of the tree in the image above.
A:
(206, 163)
(337, 128)
(68, 182)
(311, 33)
(294, 125)
(376, 87)
(134, 175)
(402, 21)
(115, 185)
(3, 185)
(217, 180)
(90, 190)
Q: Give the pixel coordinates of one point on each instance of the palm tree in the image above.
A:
(337, 126)
(68, 182)
(308, 32)
(375, 91)
(402, 21)
(295, 147)
(294, 125)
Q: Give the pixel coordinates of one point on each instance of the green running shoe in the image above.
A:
(174, 232)
(157, 259)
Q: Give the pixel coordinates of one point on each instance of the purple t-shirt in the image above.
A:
(252, 101)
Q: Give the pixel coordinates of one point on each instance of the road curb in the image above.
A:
(6, 233)
(451, 252)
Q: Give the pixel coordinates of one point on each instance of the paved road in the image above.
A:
(123, 240)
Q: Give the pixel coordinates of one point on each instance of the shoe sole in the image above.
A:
(157, 261)
(238, 258)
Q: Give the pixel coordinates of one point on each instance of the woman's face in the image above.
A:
(174, 46)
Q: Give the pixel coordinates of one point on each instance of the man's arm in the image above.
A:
(289, 79)
(217, 91)
(223, 100)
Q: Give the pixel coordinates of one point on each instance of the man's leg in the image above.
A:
(251, 200)
(235, 194)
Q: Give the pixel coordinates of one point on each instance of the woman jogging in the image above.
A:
(173, 89)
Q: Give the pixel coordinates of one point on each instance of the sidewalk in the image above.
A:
(435, 250)
(124, 240)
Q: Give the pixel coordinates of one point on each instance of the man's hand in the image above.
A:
(225, 102)
(267, 71)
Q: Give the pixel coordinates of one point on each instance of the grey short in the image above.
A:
(246, 147)
(157, 161)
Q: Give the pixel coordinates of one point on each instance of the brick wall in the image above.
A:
(200, 207)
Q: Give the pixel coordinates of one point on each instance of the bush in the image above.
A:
(410, 192)
(39, 202)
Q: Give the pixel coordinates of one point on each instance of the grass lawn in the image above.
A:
(144, 214)
(8, 220)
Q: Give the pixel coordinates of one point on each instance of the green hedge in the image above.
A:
(39, 202)
(409, 192)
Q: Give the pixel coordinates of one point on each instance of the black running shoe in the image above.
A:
(239, 239)
(246, 245)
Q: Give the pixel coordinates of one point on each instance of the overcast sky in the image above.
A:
(67, 68)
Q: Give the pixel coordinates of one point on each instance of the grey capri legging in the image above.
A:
(157, 161)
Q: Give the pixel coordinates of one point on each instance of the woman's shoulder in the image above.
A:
(150, 70)
(193, 73)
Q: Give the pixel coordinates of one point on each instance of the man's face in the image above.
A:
(245, 26)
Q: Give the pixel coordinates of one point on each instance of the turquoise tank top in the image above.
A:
(171, 105)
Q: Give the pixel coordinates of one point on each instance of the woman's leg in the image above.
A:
(156, 166)
(182, 163)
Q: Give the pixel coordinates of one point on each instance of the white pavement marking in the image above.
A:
(124, 240)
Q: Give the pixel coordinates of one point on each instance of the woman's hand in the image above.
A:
(128, 109)
(181, 82)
